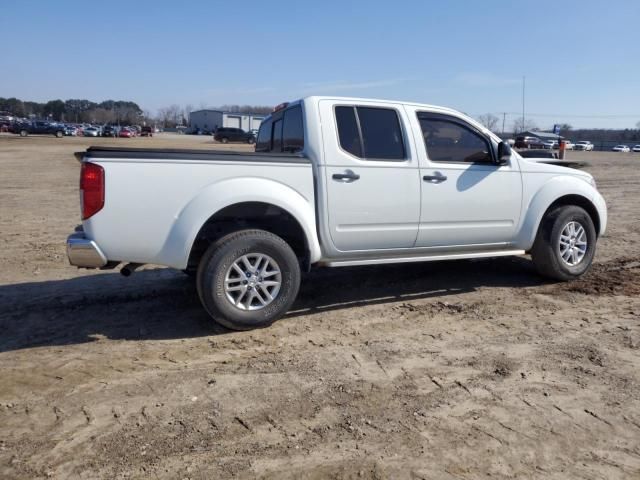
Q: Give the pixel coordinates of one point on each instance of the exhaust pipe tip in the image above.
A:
(129, 268)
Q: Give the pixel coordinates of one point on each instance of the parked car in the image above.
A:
(228, 134)
(37, 128)
(91, 132)
(146, 132)
(550, 144)
(568, 145)
(110, 131)
(584, 145)
(636, 148)
(333, 182)
(126, 132)
(621, 148)
(70, 131)
(528, 142)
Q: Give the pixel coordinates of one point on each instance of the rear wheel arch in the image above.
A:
(250, 215)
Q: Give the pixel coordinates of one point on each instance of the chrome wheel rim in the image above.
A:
(573, 243)
(252, 281)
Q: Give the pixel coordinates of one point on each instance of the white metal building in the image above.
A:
(208, 120)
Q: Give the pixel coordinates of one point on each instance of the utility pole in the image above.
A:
(504, 117)
(523, 82)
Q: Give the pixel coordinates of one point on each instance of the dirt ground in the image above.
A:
(459, 370)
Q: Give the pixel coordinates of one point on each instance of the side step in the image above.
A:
(420, 258)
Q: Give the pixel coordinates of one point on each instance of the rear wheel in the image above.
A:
(565, 244)
(251, 141)
(224, 140)
(59, 134)
(23, 133)
(248, 279)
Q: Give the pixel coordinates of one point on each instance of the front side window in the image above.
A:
(371, 133)
(450, 141)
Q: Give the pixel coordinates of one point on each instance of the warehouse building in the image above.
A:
(206, 121)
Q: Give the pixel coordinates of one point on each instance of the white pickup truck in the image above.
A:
(334, 182)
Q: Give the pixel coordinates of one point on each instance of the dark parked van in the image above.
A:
(227, 134)
(528, 142)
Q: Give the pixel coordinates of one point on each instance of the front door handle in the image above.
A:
(434, 178)
(347, 176)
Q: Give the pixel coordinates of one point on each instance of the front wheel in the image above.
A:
(224, 140)
(23, 133)
(565, 244)
(248, 279)
(59, 134)
(251, 141)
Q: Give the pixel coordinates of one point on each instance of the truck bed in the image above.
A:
(156, 200)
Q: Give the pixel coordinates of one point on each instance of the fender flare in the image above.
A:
(551, 191)
(216, 196)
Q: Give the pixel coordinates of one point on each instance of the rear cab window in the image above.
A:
(282, 132)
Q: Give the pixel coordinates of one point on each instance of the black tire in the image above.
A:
(546, 248)
(218, 260)
(23, 133)
(224, 140)
(59, 134)
(251, 141)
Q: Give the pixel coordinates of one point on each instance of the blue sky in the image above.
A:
(581, 58)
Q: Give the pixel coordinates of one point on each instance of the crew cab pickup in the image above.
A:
(38, 128)
(333, 182)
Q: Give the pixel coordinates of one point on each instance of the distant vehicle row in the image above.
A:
(535, 142)
(38, 127)
(626, 148)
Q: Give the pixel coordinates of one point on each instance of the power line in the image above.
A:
(568, 115)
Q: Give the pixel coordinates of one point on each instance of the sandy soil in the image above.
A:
(470, 369)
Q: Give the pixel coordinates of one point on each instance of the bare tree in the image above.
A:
(170, 116)
(489, 120)
(638, 125)
(188, 108)
(522, 126)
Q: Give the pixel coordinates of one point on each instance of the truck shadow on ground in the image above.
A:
(163, 304)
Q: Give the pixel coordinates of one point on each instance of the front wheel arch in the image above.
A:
(578, 201)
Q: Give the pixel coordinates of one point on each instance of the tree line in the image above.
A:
(75, 110)
(626, 135)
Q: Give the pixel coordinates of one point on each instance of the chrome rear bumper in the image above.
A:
(83, 252)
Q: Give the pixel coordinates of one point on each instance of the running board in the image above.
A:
(420, 258)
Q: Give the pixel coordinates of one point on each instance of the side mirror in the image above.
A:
(504, 153)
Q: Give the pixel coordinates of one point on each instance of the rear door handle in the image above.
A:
(434, 178)
(348, 176)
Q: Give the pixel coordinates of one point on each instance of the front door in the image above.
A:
(467, 198)
(372, 177)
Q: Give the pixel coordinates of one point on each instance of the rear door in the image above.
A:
(372, 176)
(467, 199)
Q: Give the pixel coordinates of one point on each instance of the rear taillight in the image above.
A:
(91, 189)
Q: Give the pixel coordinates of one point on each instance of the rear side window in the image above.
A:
(348, 131)
(292, 130)
(370, 133)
